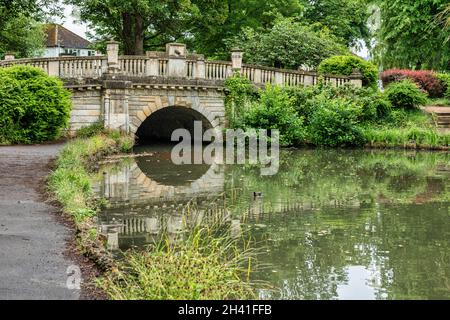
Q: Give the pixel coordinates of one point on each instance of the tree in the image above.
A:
(224, 20)
(288, 44)
(138, 24)
(20, 31)
(410, 37)
(22, 36)
(346, 19)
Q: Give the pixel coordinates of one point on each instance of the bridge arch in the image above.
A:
(158, 118)
(161, 123)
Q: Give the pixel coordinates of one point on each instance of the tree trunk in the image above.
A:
(133, 34)
(139, 35)
(127, 34)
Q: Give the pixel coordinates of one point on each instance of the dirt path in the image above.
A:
(33, 263)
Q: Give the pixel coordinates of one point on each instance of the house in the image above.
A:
(63, 42)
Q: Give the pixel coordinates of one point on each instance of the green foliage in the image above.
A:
(344, 65)
(444, 78)
(405, 94)
(70, 183)
(22, 36)
(137, 24)
(240, 92)
(346, 19)
(20, 31)
(206, 265)
(274, 110)
(409, 36)
(90, 130)
(288, 44)
(335, 124)
(33, 106)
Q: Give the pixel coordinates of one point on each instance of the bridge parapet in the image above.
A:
(175, 62)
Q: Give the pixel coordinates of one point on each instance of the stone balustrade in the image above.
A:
(174, 63)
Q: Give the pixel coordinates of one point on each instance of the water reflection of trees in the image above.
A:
(328, 210)
(367, 210)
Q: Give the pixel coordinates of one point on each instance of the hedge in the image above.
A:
(34, 107)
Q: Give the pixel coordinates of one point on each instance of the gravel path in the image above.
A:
(33, 263)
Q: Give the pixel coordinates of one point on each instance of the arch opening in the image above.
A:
(159, 126)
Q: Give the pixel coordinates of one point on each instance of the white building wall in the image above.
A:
(55, 52)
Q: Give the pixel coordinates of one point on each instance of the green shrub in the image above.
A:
(344, 65)
(275, 110)
(375, 108)
(33, 106)
(240, 92)
(302, 100)
(444, 78)
(405, 94)
(335, 124)
(90, 130)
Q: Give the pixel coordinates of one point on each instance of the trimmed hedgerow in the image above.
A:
(33, 106)
(344, 65)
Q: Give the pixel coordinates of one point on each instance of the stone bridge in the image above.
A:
(151, 95)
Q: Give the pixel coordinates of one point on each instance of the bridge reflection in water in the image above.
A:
(149, 195)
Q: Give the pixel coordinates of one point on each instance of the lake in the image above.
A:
(332, 224)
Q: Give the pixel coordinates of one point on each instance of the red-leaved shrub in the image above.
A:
(427, 80)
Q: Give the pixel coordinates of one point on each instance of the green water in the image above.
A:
(329, 225)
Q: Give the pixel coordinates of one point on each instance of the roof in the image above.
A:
(58, 36)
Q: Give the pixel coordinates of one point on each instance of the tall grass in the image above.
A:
(406, 137)
(70, 183)
(206, 264)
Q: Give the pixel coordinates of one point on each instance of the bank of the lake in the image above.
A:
(204, 265)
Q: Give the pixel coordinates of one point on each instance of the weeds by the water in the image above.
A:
(413, 137)
(70, 183)
(205, 264)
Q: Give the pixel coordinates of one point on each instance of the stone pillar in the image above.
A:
(53, 68)
(112, 51)
(115, 105)
(258, 76)
(9, 56)
(112, 240)
(152, 225)
(356, 78)
(278, 78)
(308, 80)
(176, 66)
(152, 64)
(236, 60)
(200, 73)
